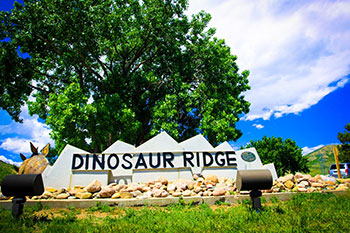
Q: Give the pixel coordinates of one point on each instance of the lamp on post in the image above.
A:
(254, 181)
(20, 186)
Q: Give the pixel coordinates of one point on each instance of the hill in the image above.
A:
(6, 169)
(320, 160)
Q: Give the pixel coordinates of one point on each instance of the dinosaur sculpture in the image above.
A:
(36, 163)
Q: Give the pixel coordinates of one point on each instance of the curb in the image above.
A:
(85, 203)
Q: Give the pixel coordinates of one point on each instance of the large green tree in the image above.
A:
(285, 154)
(344, 148)
(102, 70)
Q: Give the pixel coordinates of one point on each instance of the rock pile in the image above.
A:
(199, 186)
(306, 183)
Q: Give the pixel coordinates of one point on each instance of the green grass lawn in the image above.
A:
(314, 212)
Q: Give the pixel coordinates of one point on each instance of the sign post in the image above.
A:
(337, 161)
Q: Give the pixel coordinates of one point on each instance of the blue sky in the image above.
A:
(298, 54)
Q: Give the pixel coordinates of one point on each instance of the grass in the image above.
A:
(315, 212)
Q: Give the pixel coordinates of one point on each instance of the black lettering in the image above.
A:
(127, 161)
(87, 162)
(158, 160)
(220, 162)
(188, 159)
(96, 159)
(230, 161)
(110, 166)
(141, 161)
(169, 159)
(197, 154)
(205, 156)
(81, 161)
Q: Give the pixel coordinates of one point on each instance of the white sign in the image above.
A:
(160, 156)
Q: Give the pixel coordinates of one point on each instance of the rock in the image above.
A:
(148, 194)
(125, 195)
(311, 189)
(157, 192)
(316, 185)
(149, 183)
(176, 194)
(305, 183)
(219, 192)
(116, 195)
(93, 187)
(197, 190)
(137, 193)
(47, 195)
(62, 190)
(158, 185)
(342, 187)
(171, 188)
(79, 187)
(95, 195)
(164, 193)
(209, 186)
(3, 197)
(107, 191)
(329, 182)
(289, 184)
(298, 176)
(62, 196)
(71, 197)
(119, 187)
(186, 193)
(302, 189)
(284, 179)
(295, 189)
(205, 193)
(275, 190)
(195, 176)
(300, 186)
(200, 179)
(162, 180)
(85, 195)
(183, 186)
(312, 180)
(51, 190)
(211, 179)
(190, 185)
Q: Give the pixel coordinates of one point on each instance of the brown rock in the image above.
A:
(119, 187)
(162, 180)
(157, 192)
(219, 192)
(85, 195)
(190, 185)
(107, 192)
(316, 185)
(285, 178)
(164, 193)
(93, 187)
(51, 190)
(211, 179)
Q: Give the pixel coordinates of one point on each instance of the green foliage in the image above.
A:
(102, 70)
(6, 169)
(285, 154)
(315, 212)
(344, 148)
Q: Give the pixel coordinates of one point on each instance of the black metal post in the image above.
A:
(256, 201)
(17, 206)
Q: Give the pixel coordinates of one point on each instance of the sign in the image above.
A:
(160, 156)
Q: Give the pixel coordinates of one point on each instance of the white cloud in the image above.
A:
(31, 130)
(297, 51)
(258, 126)
(307, 150)
(6, 160)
